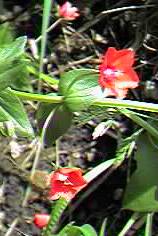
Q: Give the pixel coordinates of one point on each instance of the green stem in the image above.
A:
(148, 228)
(38, 97)
(129, 224)
(108, 102)
(45, 23)
(111, 102)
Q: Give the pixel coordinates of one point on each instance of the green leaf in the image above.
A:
(12, 65)
(21, 78)
(10, 77)
(80, 88)
(53, 122)
(6, 34)
(103, 228)
(88, 230)
(43, 111)
(72, 230)
(13, 50)
(11, 109)
(126, 146)
(142, 190)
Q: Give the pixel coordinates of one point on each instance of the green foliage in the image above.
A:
(103, 228)
(142, 190)
(12, 110)
(13, 50)
(13, 70)
(6, 34)
(72, 230)
(53, 121)
(79, 88)
(126, 146)
(45, 23)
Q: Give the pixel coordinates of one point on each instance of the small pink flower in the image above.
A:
(41, 220)
(68, 12)
(116, 72)
(66, 183)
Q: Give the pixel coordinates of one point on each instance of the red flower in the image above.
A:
(41, 220)
(116, 72)
(66, 183)
(68, 12)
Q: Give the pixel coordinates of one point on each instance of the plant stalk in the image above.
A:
(129, 224)
(148, 228)
(108, 102)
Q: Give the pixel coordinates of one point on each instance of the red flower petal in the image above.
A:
(124, 59)
(66, 182)
(41, 220)
(127, 80)
(109, 56)
(120, 59)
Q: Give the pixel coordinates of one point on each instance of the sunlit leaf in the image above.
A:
(6, 34)
(142, 191)
(80, 88)
(12, 64)
(11, 109)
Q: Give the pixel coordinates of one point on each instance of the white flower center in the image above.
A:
(110, 72)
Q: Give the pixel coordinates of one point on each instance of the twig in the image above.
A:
(50, 29)
(103, 14)
(57, 148)
(28, 157)
(19, 231)
(28, 190)
(12, 227)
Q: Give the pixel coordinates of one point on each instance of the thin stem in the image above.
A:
(50, 29)
(57, 152)
(45, 23)
(28, 191)
(139, 223)
(111, 102)
(148, 228)
(38, 97)
(103, 14)
(129, 224)
(12, 227)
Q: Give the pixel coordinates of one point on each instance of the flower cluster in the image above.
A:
(68, 12)
(64, 182)
(116, 72)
